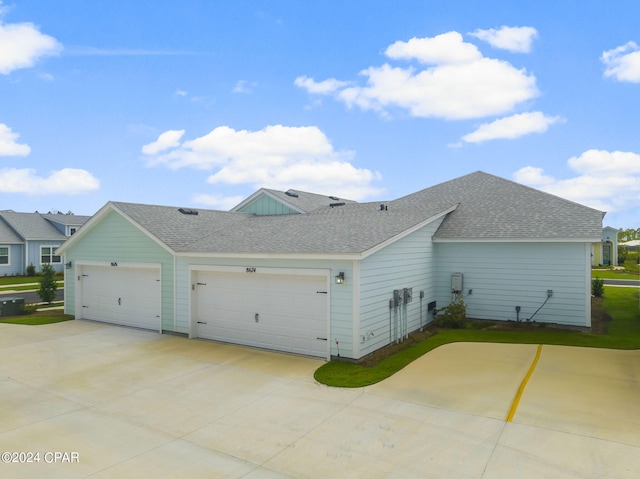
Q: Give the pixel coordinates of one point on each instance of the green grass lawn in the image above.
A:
(622, 304)
(9, 282)
(612, 274)
(38, 318)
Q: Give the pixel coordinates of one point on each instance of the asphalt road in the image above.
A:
(622, 282)
(32, 296)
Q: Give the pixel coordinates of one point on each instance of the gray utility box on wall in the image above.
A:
(11, 306)
(456, 282)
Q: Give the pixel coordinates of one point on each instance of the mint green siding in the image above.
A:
(406, 263)
(500, 276)
(266, 205)
(114, 239)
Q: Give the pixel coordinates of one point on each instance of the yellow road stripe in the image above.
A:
(516, 400)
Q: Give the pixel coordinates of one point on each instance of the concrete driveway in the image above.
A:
(103, 401)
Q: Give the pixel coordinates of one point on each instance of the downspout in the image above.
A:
(175, 302)
(355, 308)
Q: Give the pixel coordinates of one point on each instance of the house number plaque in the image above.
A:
(251, 270)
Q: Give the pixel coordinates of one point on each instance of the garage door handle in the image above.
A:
(322, 339)
(201, 322)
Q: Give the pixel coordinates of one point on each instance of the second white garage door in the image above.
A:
(121, 295)
(281, 312)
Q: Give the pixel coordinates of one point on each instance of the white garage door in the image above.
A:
(121, 295)
(285, 313)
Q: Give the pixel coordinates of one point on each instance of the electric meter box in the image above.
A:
(11, 306)
(456, 282)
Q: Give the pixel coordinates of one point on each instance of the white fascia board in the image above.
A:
(517, 240)
(407, 232)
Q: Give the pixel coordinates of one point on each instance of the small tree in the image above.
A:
(453, 316)
(48, 286)
(597, 287)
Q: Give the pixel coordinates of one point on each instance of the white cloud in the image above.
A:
(277, 157)
(606, 163)
(22, 44)
(67, 181)
(168, 139)
(325, 87)
(216, 201)
(514, 39)
(623, 63)
(9, 145)
(512, 127)
(531, 175)
(441, 49)
(462, 84)
(244, 86)
(606, 180)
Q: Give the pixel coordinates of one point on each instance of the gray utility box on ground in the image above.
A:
(11, 306)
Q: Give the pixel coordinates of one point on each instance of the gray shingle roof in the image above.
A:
(482, 206)
(32, 226)
(7, 235)
(351, 228)
(493, 208)
(67, 220)
(176, 229)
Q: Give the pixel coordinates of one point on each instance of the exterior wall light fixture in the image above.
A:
(340, 278)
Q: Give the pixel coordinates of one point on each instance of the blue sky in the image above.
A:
(200, 103)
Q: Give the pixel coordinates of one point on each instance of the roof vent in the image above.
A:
(291, 193)
(334, 198)
(188, 211)
(336, 204)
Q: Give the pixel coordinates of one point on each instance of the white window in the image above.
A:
(4, 255)
(48, 255)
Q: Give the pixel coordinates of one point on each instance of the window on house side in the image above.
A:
(4, 255)
(48, 255)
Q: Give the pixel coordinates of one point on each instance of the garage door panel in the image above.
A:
(126, 296)
(291, 312)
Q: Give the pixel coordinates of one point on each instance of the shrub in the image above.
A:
(48, 285)
(31, 270)
(597, 287)
(28, 308)
(454, 316)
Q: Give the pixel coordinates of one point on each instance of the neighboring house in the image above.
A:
(322, 276)
(605, 252)
(33, 238)
(631, 245)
